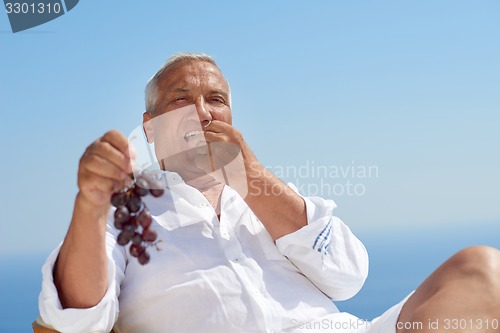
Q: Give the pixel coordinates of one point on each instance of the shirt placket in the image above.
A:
(234, 214)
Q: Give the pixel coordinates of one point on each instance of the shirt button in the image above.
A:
(175, 179)
(224, 234)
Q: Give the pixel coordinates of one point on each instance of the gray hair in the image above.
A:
(152, 90)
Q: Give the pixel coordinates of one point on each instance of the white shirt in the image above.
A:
(212, 276)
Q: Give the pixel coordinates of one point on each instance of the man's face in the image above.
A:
(195, 82)
(191, 94)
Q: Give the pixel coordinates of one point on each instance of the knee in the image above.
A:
(477, 261)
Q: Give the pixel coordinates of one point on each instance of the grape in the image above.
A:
(141, 187)
(145, 218)
(156, 192)
(143, 258)
(136, 250)
(137, 239)
(118, 225)
(156, 188)
(123, 238)
(122, 214)
(133, 218)
(149, 235)
(134, 204)
(129, 228)
(119, 199)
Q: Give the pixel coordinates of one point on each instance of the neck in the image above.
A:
(210, 188)
(204, 183)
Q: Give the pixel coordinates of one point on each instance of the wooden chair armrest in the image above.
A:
(38, 328)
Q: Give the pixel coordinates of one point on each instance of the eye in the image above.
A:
(180, 100)
(217, 99)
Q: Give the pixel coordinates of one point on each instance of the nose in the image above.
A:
(203, 112)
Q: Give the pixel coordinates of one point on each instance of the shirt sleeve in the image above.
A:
(326, 251)
(99, 318)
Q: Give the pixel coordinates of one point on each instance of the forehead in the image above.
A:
(191, 75)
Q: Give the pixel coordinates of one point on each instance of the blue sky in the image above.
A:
(408, 87)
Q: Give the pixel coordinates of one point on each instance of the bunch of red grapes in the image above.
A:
(134, 219)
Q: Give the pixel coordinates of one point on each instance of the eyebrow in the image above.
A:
(184, 90)
(220, 92)
(175, 90)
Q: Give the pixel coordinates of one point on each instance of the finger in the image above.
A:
(98, 165)
(108, 152)
(217, 137)
(117, 140)
(217, 126)
(91, 182)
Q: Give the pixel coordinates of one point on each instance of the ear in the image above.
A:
(148, 127)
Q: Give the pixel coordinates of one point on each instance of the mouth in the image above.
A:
(191, 135)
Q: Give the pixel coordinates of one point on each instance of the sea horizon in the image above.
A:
(399, 261)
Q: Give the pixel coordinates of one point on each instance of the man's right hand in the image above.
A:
(104, 168)
(81, 270)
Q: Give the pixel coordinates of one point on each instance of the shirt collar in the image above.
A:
(167, 178)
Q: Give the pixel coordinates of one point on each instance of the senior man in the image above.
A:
(235, 256)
